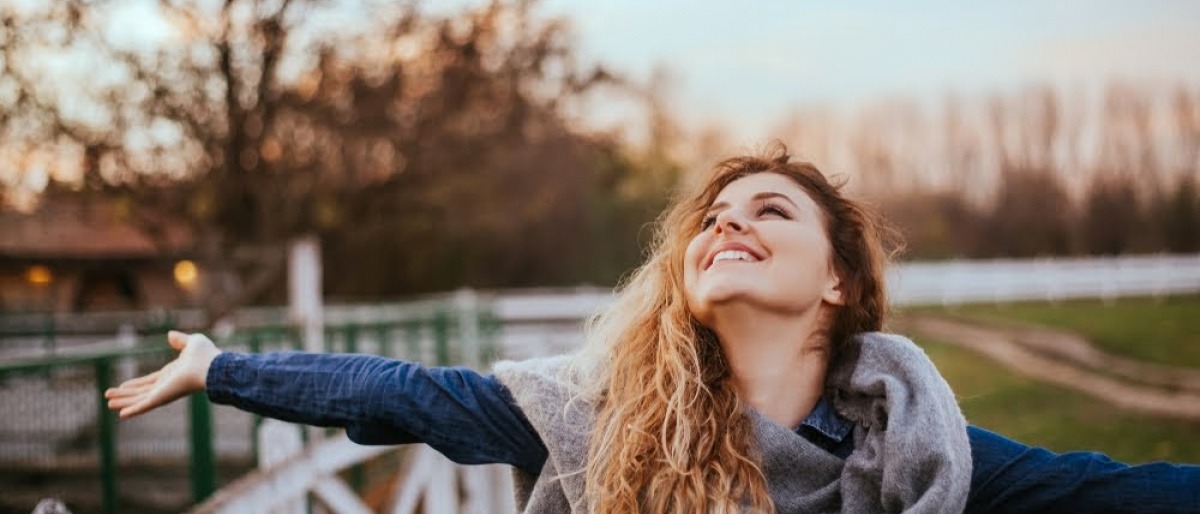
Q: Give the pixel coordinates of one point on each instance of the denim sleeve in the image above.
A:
(469, 417)
(1011, 477)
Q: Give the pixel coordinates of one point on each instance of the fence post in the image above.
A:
(202, 466)
(385, 345)
(108, 435)
(255, 343)
(126, 341)
(489, 330)
(466, 303)
(441, 338)
(279, 442)
(351, 334)
(304, 291)
(412, 339)
(305, 306)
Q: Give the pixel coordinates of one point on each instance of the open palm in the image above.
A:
(183, 376)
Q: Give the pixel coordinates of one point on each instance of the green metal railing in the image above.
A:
(433, 337)
(101, 366)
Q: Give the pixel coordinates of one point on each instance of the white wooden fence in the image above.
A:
(526, 313)
(999, 281)
(427, 483)
(945, 282)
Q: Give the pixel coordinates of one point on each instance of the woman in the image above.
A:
(740, 368)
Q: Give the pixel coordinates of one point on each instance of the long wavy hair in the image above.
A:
(670, 433)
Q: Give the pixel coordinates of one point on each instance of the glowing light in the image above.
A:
(39, 275)
(186, 273)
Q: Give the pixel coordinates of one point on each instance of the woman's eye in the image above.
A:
(772, 210)
(707, 222)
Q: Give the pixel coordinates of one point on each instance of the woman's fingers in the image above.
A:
(145, 379)
(136, 402)
(129, 392)
(112, 400)
(126, 392)
(134, 385)
(122, 402)
(134, 410)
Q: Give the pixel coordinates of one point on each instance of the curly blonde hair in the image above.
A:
(671, 435)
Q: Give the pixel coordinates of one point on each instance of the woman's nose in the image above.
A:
(728, 220)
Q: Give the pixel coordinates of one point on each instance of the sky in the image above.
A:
(746, 65)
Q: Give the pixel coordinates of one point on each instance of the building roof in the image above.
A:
(72, 226)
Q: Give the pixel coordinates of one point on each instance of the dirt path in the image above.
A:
(1070, 361)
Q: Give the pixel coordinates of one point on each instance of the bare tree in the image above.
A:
(961, 149)
(1046, 128)
(1185, 112)
(422, 146)
(1178, 204)
(196, 104)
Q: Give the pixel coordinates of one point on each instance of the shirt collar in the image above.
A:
(825, 419)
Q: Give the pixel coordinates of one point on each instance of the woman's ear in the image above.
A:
(833, 289)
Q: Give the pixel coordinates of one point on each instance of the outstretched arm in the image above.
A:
(466, 416)
(1011, 477)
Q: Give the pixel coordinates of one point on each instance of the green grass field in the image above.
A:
(1058, 419)
(1165, 331)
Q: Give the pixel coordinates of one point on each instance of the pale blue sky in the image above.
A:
(748, 63)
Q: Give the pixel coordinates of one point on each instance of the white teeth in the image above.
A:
(733, 255)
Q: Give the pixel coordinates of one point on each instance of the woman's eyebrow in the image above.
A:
(757, 196)
(773, 194)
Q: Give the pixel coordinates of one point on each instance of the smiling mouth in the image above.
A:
(733, 256)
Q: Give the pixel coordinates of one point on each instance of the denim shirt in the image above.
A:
(472, 419)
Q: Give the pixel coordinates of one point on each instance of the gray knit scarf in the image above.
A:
(911, 452)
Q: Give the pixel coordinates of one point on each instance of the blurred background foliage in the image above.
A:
(432, 149)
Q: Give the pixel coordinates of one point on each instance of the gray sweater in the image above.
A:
(911, 452)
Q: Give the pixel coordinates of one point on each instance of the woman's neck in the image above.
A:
(777, 362)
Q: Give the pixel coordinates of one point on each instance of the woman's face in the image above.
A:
(762, 242)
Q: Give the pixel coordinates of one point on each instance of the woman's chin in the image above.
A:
(721, 296)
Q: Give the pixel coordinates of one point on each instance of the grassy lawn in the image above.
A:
(1165, 331)
(1058, 419)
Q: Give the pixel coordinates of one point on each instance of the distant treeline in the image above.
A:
(1044, 171)
(1032, 216)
